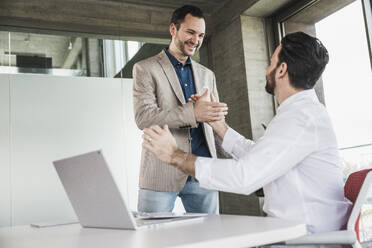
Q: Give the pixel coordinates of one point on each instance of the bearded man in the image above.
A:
(162, 86)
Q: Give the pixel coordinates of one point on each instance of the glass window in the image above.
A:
(60, 55)
(41, 53)
(348, 77)
(346, 83)
(117, 53)
(133, 47)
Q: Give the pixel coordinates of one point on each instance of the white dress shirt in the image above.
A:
(296, 162)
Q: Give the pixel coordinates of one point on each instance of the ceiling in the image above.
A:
(207, 6)
(122, 18)
(266, 7)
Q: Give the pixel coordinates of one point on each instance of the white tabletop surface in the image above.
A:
(213, 231)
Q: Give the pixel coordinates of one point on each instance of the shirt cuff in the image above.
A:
(231, 136)
(203, 171)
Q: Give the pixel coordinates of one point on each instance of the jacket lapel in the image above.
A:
(196, 72)
(172, 76)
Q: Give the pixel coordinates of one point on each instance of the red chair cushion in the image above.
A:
(351, 190)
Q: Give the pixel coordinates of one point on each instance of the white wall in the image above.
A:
(52, 118)
(4, 152)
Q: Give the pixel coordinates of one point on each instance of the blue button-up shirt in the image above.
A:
(186, 78)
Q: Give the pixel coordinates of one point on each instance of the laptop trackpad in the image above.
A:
(167, 215)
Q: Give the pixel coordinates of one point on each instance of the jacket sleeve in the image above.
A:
(146, 109)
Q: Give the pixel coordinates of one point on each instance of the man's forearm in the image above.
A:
(184, 161)
(219, 127)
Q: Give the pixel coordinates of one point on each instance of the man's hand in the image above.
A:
(206, 111)
(219, 126)
(160, 142)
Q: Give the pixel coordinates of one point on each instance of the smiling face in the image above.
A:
(189, 37)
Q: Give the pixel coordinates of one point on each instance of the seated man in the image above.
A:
(296, 161)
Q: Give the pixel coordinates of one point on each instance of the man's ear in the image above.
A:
(172, 29)
(282, 70)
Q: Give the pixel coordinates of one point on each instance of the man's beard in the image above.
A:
(271, 82)
(181, 47)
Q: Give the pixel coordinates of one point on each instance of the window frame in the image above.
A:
(367, 13)
(290, 10)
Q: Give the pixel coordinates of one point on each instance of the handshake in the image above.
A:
(160, 141)
(206, 109)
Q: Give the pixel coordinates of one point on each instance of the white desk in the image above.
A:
(214, 231)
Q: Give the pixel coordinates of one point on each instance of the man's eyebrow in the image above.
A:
(192, 30)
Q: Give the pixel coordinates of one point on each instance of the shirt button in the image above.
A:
(181, 69)
(186, 85)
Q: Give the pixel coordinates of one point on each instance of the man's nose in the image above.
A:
(195, 39)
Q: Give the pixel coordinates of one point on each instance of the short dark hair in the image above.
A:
(306, 58)
(179, 14)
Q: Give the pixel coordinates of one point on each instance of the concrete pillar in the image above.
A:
(94, 58)
(256, 59)
(84, 58)
(228, 62)
(238, 55)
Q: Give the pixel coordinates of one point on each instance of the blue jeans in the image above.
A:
(194, 199)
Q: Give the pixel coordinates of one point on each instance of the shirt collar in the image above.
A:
(309, 94)
(173, 60)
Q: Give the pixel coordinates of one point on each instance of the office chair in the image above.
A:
(356, 190)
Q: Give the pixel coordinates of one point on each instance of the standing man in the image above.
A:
(296, 161)
(162, 85)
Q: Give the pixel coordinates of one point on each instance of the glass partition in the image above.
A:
(42, 54)
(26, 52)
(346, 83)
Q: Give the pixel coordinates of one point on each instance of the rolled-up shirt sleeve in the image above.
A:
(287, 141)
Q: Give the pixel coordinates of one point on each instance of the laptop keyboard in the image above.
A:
(160, 215)
(145, 222)
(143, 218)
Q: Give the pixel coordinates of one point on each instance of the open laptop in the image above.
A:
(97, 200)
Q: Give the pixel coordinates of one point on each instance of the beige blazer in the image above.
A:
(159, 100)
